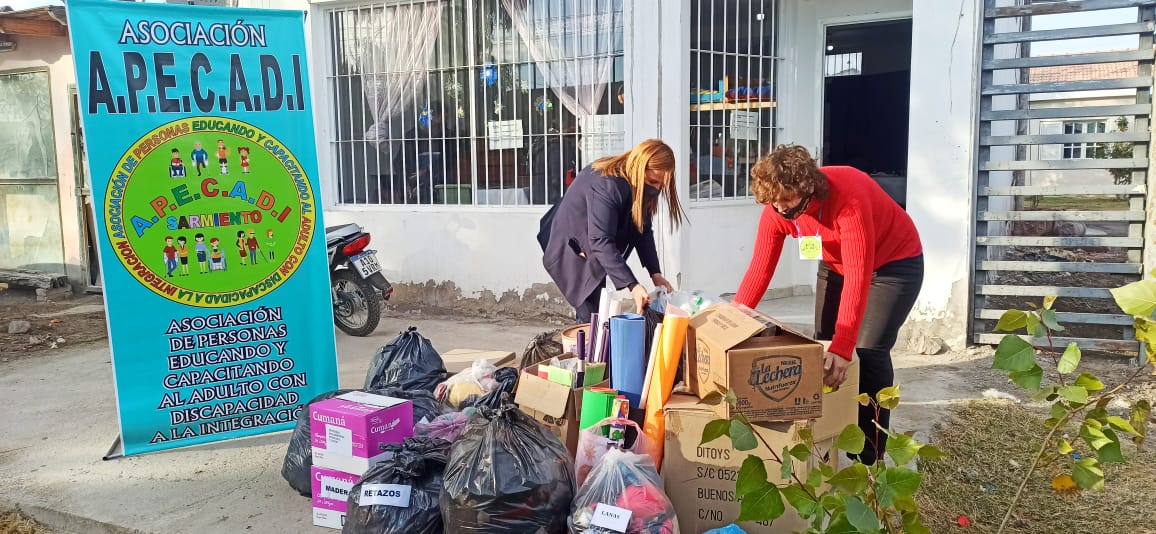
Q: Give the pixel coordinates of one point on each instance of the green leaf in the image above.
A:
(1059, 411)
(1138, 416)
(912, 524)
(1146, 331)
(1064, 447)
(1093, 434)
(763, 504)
(840, 525)
(851, 439)
(752, 476)
(902, 449)
(788, 467)
(851, 480)
(801, 451)
(906, 504)
(1087, 474)
(1089, 382)
(831, 503)
(801, 500)
(1110, 453)
(1076, 394)
(1030, 379)
(742, 435)
(827, 470)
(731, 399)
(1048, 302)
(1044, 393)
(713, 398)
(896, 482)
(1071, 359)
(1048, 317)
(1137, 298)
(1014, 354)
(1011, 321)
(1035, 329)
(815, 477)
(806, 435)
(888, 398)
(931, 452)
(714, 430)
(861, 517)
(863, 399)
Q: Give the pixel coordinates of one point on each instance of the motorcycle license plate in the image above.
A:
(366, 263)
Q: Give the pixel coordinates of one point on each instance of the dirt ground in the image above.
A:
(54, 324)
(17, 523)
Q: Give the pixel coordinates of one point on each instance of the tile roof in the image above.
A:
(1075, 73)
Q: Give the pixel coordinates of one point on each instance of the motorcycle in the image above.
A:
(355, 280)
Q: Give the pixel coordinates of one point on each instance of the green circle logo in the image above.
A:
(810, 247)
(209, 212)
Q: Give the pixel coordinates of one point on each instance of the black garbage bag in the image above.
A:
(507, 473)
(299, 457)
(543, 347)
(409, 362)
(425, 406)
(507, 379)
(417, 464)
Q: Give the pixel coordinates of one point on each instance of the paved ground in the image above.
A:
(59, 419)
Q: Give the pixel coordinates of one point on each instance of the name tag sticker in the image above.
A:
(385, 495)
(611, 517)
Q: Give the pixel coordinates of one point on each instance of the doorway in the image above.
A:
(866, 100)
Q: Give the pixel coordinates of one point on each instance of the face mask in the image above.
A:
(796, 211)
(650, 192)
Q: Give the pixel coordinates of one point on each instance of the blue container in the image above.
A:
(628, 356)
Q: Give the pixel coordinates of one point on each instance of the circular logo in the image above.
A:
(209, 212)
(810, 247)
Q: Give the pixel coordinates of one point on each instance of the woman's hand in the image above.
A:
(661, 281)
(641, 299)
(835, 369)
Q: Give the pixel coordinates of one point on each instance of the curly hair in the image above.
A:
(787, 170)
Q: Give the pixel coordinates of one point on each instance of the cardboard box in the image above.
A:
(330, 496)
(776, 373)
(554, 405)
(839, 407)
(700, 479)
(458, 360)
(347, 431)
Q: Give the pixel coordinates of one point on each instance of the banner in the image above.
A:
(199, 135)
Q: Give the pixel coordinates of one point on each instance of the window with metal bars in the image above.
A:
(732, 112)
(484, 102)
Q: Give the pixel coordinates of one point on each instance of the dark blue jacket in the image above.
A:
(593, 217)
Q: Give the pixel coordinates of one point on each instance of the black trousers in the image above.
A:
(894, 287)
(589, 306)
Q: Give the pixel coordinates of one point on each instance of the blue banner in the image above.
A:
(199, 134)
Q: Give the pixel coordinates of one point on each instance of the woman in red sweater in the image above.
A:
(870, 270)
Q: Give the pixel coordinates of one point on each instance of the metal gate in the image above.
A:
(1062, 166)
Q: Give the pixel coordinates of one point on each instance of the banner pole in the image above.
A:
(116, 450)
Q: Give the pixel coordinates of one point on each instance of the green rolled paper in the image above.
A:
(596, 405)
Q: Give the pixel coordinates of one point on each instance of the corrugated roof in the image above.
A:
(45, 20)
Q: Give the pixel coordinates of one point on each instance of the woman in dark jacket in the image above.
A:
(605, 215)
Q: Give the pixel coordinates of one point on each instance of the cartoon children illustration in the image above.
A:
(176, 166)
(201, 251)
(251, 244)
(223, 156)
(244, 153)
(183, 254)
(269, 243)
(200, 157)
(241, 245)
(170, 256)
(216, 256)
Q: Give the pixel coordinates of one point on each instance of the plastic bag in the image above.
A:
(507, 380)
(543, 347)
(471, 383)
(592, 445)
(425, 406)
(418, 464)
(408, 361)
(447, 426)
(507, 473)
(299, 457)
(691, 302)
(628, 481)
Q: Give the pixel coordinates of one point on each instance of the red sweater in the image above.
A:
(862, 229)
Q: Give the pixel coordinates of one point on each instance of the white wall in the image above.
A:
(55, 54)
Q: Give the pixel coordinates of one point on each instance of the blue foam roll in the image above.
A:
(628, 356)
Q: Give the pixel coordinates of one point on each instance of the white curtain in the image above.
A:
(394, 58)
(573, 45)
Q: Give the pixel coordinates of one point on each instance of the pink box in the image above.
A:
(349, 430)
(330, 496)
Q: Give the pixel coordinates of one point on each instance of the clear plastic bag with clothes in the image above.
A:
(415, 470)
(408, 361)
(593, 445)
(626, 481)
(447, 426)
(507, 473)
(471, 383)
